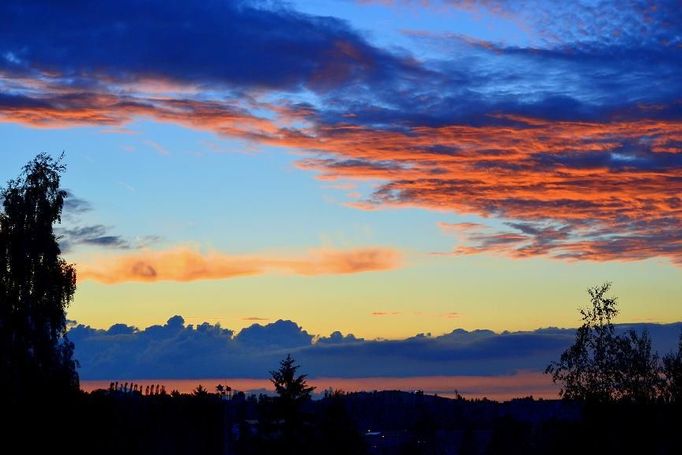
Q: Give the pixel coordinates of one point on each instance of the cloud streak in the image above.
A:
(581, 190)
(95, 235)
(186, 264)
(73, 232)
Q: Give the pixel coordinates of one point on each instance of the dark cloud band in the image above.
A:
(177, 350)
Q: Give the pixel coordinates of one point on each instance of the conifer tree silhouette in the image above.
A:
(291, 389)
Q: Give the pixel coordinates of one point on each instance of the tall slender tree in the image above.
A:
(604, 366)
(36, 285)
(587, 370)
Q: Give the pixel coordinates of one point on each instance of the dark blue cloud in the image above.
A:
(236, 44)
(278, 335)
(177, 350)
(599, 84)
(74, 233)
(81, 52)
(339, 338)
(121, 329)
(73, 205)
(628, 156)
(78, 50)
(94, 235)
(17, 101)
(578, 65)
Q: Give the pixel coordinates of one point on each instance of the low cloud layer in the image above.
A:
(185, 264)
(176, 350)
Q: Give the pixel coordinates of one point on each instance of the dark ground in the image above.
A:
(106, 422)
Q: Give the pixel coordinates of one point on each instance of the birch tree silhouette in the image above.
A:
(36, 285)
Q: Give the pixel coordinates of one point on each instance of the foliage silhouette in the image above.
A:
(289, 387)
(672, 370)
(586, 369)
(603, 366)
(200, 391)
(36, 285)
(638, 374)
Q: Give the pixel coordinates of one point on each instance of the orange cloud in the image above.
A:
(577, 190)
(185, 264)
(583, 190)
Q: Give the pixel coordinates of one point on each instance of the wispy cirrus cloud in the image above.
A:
(185, 264)
(580, 21)
(75, 206)
(95, 235)
(75, 232)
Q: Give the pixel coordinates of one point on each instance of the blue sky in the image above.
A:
(379, 168)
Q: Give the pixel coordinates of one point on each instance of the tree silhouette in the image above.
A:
(602, 365)
(291, 389)
(287, 420)
(638, 375)
(586, 369)
(672, 371)
(36, 285)
(200, 391)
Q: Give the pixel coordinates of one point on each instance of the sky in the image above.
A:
(378, 168)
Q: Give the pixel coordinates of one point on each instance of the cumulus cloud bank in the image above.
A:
(176, 350)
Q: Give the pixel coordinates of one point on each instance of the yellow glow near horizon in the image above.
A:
(483, 291)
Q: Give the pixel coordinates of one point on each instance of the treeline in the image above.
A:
(127, 418)
(394, 423)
